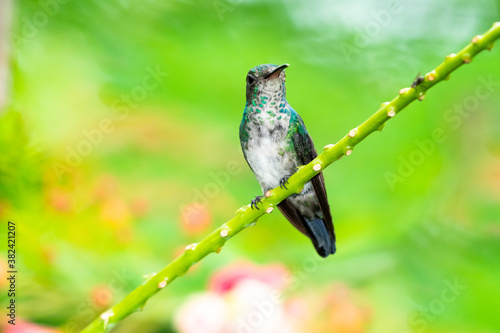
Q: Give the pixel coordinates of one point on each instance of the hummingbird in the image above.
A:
(275, 142)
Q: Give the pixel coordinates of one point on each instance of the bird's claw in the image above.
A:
(284, 181)
(254, 202)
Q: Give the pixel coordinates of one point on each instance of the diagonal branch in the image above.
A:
(246, 216)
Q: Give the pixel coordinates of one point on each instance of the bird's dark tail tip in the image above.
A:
(323, 242)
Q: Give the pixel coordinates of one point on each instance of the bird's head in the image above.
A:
(267, 80)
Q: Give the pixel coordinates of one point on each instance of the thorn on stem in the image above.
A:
(163, 283)
(450, 56)
(391, 113)
(224, 232)
(191, 246)
(106, 315)
(431, 76)
(403, 91)
(476, 39)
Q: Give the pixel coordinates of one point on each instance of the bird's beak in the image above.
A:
(276, 72)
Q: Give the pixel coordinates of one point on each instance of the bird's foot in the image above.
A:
(284, 181)
(255, 201)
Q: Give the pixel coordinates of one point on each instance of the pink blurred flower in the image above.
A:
(3, 268)
(202, 313)
(257, 308)
(246, 298)
(26, 327)
(242, 298)
(226, 279)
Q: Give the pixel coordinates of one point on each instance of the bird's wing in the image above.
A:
(244, 138)
(291, 214)
(306, 152)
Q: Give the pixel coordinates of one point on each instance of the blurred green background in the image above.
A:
(120, 147)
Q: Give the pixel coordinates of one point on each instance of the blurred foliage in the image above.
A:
(100, 170)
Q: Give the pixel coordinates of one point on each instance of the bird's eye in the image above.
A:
(250, 79)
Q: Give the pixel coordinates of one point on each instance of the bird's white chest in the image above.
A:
(267, 153)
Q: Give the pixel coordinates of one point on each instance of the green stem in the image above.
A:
(246, 216)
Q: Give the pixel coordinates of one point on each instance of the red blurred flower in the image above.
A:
(195, 218)
(59, 200)
(101, 296)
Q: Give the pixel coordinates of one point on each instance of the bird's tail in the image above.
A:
(323, 242)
